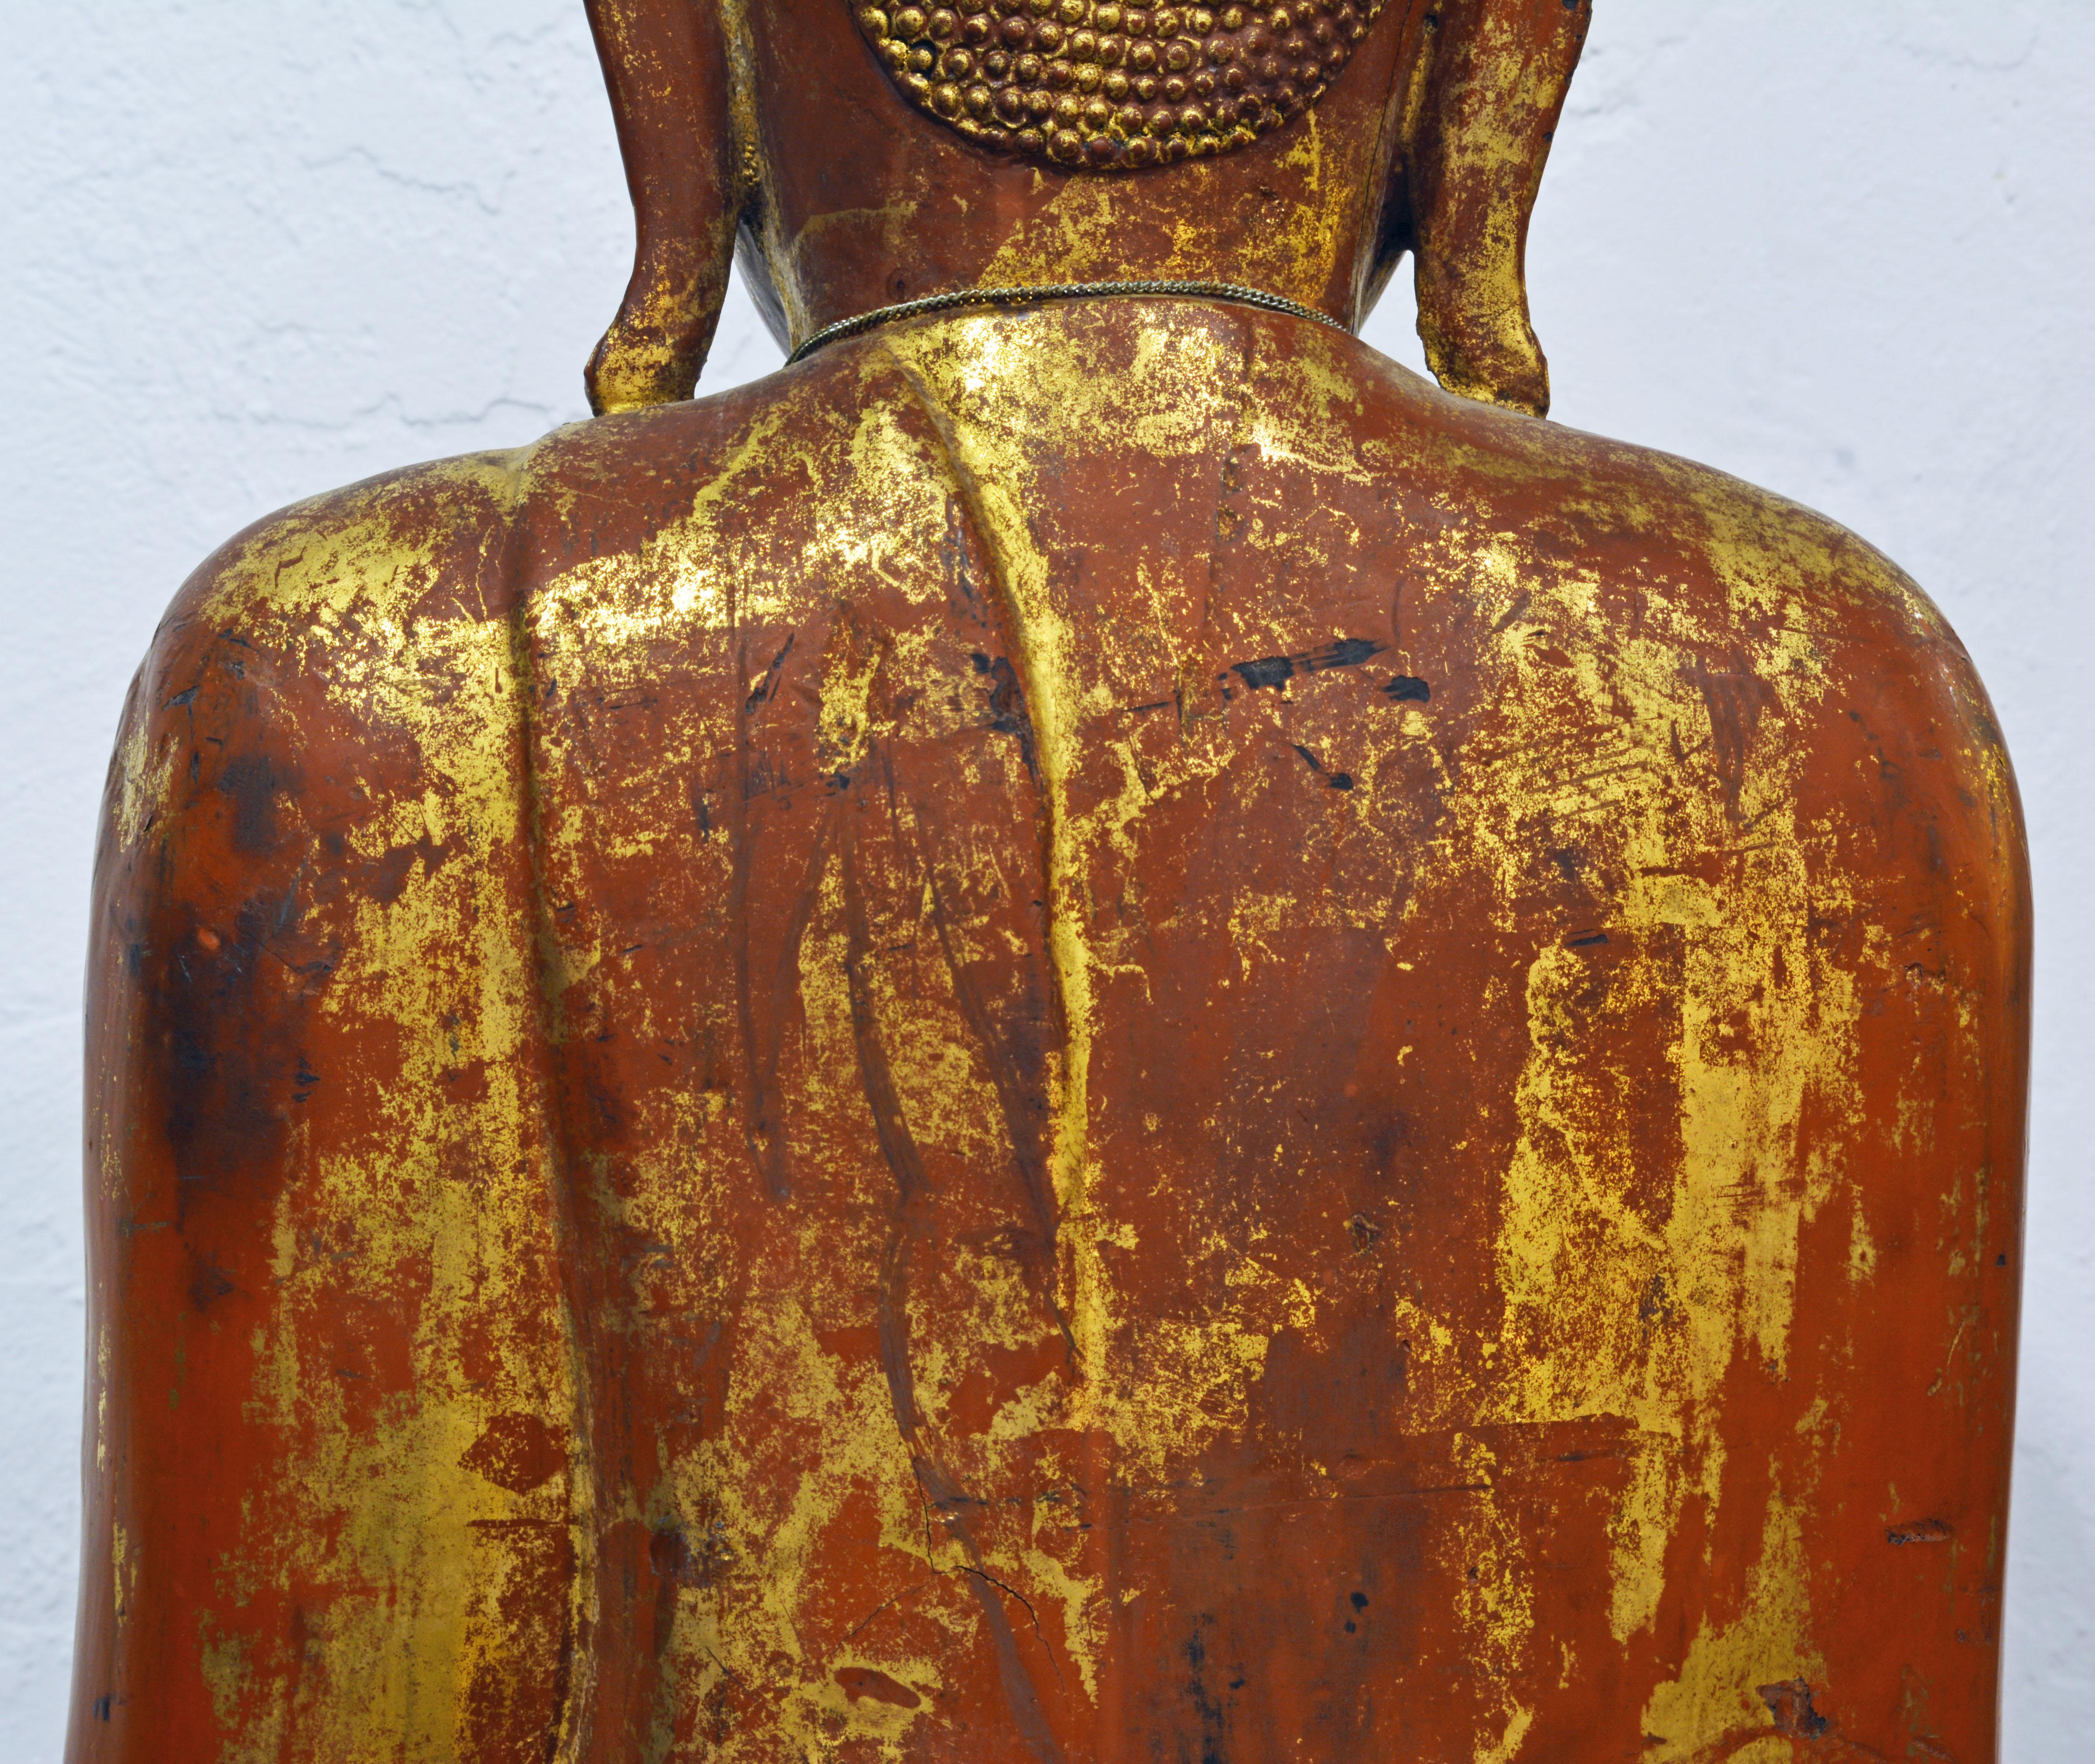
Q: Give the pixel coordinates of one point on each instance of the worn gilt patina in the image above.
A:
(1092, 1032)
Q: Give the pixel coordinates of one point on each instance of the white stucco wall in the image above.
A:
(252, 251)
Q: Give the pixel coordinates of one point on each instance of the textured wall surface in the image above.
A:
(255, 252)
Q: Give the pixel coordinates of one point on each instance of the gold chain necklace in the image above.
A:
(1064, 290)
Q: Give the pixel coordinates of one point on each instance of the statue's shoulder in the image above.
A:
(323, 715)
(1586, 612)
(376, 644)
(387, 591)
(1538, 539)
(338, 598)
(384, 543)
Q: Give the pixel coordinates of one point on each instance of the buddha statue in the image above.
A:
(1090, 1032)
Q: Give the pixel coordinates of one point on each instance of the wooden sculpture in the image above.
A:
(1090, 1032)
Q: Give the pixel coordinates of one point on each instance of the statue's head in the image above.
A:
(865, 152)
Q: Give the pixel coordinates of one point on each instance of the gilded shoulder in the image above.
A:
(346, 651)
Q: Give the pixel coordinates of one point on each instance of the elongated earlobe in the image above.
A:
(1492, 80)
(666, 62)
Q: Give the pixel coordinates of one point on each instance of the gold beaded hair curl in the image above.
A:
(1099, 85)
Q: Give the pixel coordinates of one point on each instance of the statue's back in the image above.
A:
(1092, 1032)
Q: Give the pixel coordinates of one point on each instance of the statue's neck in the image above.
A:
(864, 204)
(835, 265)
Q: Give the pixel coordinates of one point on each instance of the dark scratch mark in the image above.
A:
(1008, 714)
(1790, 1704)
(769, 685)
(1032, 1615)
(1920, 1531)
(1339, 781)
(1278, 670)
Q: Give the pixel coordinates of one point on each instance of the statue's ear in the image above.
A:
(1487, 86)
(666, 64)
